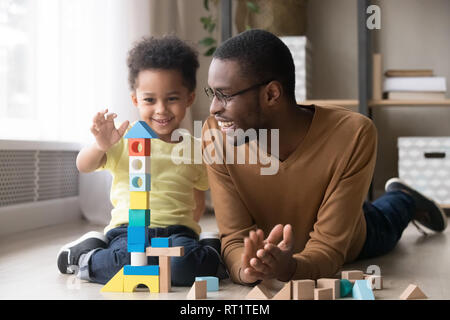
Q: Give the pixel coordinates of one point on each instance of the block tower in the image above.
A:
(139, 272)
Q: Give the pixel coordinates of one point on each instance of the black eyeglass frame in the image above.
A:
(210, 93)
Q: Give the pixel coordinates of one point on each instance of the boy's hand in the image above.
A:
(106, 134)
(275, 259)
(252, 243)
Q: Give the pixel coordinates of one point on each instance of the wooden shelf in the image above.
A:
(411, 103)
(342, 103)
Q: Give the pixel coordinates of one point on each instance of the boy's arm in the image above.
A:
(199, 197)
(90, 158)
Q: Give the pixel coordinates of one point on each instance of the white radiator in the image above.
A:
(38, 184)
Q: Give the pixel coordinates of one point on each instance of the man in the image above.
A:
(308, 219)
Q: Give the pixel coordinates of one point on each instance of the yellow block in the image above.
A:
(139, 200)
(130, 282)
(115, 284)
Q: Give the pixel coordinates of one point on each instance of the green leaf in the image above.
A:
(208, 41)
(247, 27)
(253, 7)
(210, 51)
(211, 27)
(206, 4)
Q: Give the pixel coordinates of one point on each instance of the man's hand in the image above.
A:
(271, 260)
(106, 134)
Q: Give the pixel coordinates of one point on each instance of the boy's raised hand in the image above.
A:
(274, 259)
(106, 134)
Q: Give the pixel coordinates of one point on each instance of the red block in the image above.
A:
(139, 147)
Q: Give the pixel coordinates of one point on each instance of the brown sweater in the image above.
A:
(319, 189)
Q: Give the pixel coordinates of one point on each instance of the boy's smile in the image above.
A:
(162, 98)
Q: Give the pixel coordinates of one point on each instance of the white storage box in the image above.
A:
(424, 164)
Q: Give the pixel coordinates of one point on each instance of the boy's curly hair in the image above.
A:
(169, 53)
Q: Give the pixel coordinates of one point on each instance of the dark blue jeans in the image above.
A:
(386, 219)
(198, 260)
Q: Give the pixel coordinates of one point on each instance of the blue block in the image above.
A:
(140, 182)
(141, 270)
(141, 130)
(161, 242)
(212, 283)
(362, 290)
(136, 247)
(139, 217)
(138, 235)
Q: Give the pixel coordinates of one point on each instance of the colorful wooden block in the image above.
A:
(139, 147)
(413, 292)
(346, 287)
(303, 289)
(141, 270)
(138, 258)
(141, 130)
(168, 252)
(140, 164)
(352, 275)
(362, 290)
(259, 292)
(139, 200)
(165, 275)
(161, 242)
(136, 247)
(137, 235)
(139, 218)
(198, 290)
(115, 284)
(130, 282)
(335, 284)
(285, 293)
(212, 283)
(140, 182)
(323, 294)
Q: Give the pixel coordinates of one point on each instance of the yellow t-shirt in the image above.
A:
(172, 185)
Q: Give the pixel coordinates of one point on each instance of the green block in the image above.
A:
(139, 217)
(346, 287)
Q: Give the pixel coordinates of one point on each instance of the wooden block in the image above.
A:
(130, 283)
(139, 200)
(138, 259)
(413, 292)
(141, 270)
(285, 293)
(137, 235)
(303, 289)
(141, 130)
(140, 164)
(138, 218)
(165, 275)
(140, 182)
(168, 252)
(335, 284)
(198, 290)
(362, 290)
(115, 284)
(346, 287)
(136, 247)
(259, 292)
(139, 147)
(323, 294)
(375, 280)
(161, 242)
(212, 283)
(352, 275)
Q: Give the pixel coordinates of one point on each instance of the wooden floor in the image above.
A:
(28, 268)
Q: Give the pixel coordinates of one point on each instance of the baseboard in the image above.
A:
(33, 215)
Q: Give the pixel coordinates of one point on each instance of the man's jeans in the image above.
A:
(101, 265)
(386, 219)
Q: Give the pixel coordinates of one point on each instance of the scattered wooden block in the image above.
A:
(259, 292)
(212, 283)
(285, 293)
(375, 280)
(352, 275)
(335, 284)
(346, 287)
(362, 290)
(323, 294)
(303, 289)
(413, 292)
(198, 290)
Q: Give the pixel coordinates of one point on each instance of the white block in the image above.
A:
(138, 259)
(140, 164)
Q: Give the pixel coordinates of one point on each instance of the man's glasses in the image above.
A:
(223, 98)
